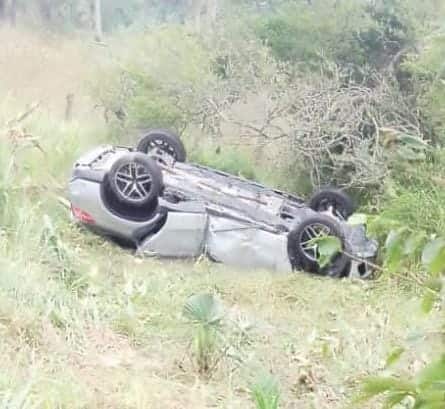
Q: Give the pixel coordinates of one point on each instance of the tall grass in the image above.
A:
(265, 392)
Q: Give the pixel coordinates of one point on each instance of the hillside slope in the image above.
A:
(86, 324)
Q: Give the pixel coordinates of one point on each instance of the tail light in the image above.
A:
(82, 216)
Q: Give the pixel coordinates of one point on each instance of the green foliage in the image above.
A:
(404, 247)
(412, 199)
(157, 80)
(203, 309)
(265, 392)
(426, 389)
(394, 356)
(355, 35)
(205, 313)
(306, 34)
(327, 248)
(230, 160)
(433, 256)
(428, 75)
(358, 219)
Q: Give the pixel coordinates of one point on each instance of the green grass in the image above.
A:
(230, 160)
(126, 330)
(120, 338)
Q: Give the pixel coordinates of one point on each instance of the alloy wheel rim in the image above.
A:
(160, 145)
(309, 234)
(332, 208)
(133, 182)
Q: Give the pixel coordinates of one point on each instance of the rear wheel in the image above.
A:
(135, 180)
(303, 251)
(159, 142)
(333, 201)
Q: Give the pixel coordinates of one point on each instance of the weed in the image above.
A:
(205, 313)
(265, 392)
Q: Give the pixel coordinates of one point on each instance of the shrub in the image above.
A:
(413, 197)
(350, 33)
(428, 75)
(157, 79)
(425, 389)
(228, 160)
(307, 34)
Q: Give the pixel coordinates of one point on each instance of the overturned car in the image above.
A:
(150, 197)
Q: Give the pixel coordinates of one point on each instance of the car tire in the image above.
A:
(306, 259)
(166, 141)
(332, 200)
(135, 180)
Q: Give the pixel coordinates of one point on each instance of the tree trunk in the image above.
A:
(194, 10)
(13, 12)
(2, 9)
(212, 11)
(45, 10)
(98, 20)
(69, 107)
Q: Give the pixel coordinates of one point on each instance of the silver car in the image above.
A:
(151, 198)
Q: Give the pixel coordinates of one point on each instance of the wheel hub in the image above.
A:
(133, 182)
(162, 147)
(332, 208)
(308, 237)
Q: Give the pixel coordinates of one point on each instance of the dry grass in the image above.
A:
(104, 329)
(37, 66)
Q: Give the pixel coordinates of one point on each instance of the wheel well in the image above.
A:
(128, 212)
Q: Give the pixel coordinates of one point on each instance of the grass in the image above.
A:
(86, 324)
(123, 338)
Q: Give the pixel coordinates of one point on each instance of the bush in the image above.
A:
(157, 79)
(428, 78)
(307, 34)
(357, 36)
(228, 160)
(414, 197)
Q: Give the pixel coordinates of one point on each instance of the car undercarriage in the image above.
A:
(150, 196)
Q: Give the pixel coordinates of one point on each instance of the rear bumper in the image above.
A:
(85, 195)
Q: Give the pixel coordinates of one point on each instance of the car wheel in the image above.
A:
(304, 255)
(333, 201)
(160, 142)
(135, 180)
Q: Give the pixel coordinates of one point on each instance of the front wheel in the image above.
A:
(303, 249)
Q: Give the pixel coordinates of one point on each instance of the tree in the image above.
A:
(8, 11)
(2, 10)
(197, 8)
(13, 12)
(45, 10)
(97, 8)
